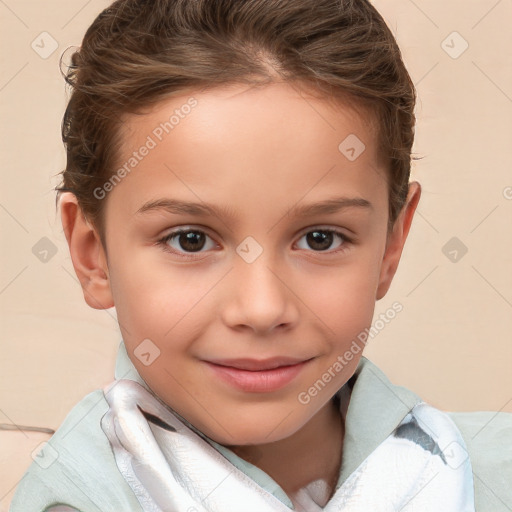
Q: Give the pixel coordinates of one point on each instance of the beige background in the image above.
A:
(451, 343)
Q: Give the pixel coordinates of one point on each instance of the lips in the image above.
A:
(257, 376)
(256, 365)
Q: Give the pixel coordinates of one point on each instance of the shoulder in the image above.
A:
(76, 467)
(488, 438)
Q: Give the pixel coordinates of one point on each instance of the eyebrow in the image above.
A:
(328, 206)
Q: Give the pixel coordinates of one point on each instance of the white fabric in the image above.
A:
(422, 466)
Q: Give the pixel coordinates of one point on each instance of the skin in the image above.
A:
(260, 152)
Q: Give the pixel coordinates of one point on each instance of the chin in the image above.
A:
(242, 433)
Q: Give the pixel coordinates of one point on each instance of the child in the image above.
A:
(276, 136)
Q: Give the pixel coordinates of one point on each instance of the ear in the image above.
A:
(396, 240)
(87, 254)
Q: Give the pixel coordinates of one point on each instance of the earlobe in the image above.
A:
(397, 240)
(87, 254)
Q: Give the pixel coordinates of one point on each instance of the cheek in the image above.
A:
(346, 295)
(155, 298)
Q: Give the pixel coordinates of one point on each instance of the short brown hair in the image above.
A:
(139, 52)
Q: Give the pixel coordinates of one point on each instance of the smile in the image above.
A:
(254, 376)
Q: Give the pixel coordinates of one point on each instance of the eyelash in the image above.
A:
(163, 242)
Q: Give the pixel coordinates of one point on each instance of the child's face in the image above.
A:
(255, 156)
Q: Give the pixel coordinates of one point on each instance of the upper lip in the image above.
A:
(258, 364)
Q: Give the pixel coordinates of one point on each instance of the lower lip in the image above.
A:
(264, 381)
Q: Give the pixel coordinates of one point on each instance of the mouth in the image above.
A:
(256, 365)
(257, 376)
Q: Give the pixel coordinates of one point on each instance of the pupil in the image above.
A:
(188, 241)
(322, 238)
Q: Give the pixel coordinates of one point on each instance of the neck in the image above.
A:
(319, 443)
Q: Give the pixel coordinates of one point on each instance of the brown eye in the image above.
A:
(186, 241)
(322, 240)
(319, 240)
(191, 240)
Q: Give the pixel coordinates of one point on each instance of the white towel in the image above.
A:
(421, 467)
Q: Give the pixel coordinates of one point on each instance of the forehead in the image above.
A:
(282, 108)
(249, 146)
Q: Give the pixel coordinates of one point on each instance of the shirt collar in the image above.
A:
(375, 409)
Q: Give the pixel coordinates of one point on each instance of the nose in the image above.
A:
(260, 297)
